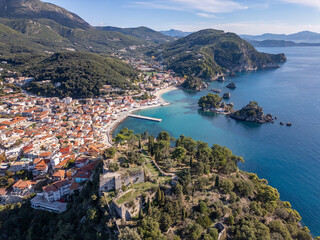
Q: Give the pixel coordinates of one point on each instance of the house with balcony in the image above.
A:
(57, 190)
(22, 188)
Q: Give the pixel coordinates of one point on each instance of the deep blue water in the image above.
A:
(288, 157)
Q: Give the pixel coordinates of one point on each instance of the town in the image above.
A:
(50, 146)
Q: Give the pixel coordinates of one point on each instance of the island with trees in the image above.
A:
(213, 103)
(250, 113)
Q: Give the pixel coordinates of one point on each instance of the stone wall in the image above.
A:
(124, 211)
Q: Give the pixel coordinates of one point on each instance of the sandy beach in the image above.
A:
(159, 93)
(123, 115)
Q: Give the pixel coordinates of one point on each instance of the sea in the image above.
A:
(288, 157)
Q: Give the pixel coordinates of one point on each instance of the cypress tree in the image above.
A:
(217, 182)
(158, 196)
(184, 214)
(140, 214)
(149, 208)
(162, 198)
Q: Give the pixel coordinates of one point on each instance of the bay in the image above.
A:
(288, 157)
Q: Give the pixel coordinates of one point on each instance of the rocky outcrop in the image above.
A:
(223, 105)
(251, 113)
(221, 78)
(232, 85)
(226, 95)
(194, 83)
(216, 90)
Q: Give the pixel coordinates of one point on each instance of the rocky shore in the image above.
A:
(252, 113)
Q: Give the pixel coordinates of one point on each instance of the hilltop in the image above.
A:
(30, 28)
(36, 9)
(144, 33)
(210, 53)
(78, 75)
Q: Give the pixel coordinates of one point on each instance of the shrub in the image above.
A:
(226, 185)
(244, 188)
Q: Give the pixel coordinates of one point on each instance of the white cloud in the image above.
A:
(205, 6)
(310, 3)
(206, 15)
(156, 5)
(211, 6)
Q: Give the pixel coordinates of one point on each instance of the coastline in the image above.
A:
(159, 93)
(119, 119)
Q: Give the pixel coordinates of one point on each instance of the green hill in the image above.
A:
(38, 36)
(78, 75)
(143, 33)
(208, 53)
(36, 9)
(32, 27)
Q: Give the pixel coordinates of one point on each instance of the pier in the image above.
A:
(146, 118)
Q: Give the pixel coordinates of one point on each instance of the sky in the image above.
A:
(239, 16)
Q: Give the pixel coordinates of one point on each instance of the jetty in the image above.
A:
(146, 118)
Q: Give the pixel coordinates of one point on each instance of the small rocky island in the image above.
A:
(251, 113)
(232, 85)
(226, 95)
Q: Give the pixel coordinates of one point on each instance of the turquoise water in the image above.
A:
(288, 157)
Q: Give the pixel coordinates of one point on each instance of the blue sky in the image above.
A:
(239, 16)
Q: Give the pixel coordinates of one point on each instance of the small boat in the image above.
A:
(289, 124)
(216, 90)
(281, 123)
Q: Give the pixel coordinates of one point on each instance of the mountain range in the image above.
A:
(31, 31)
(175, 33)
(304, 36)
(281, 43)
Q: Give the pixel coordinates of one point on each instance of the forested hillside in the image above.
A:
(208, 53)
(143, 33)
(209, 196)
(78, 75)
